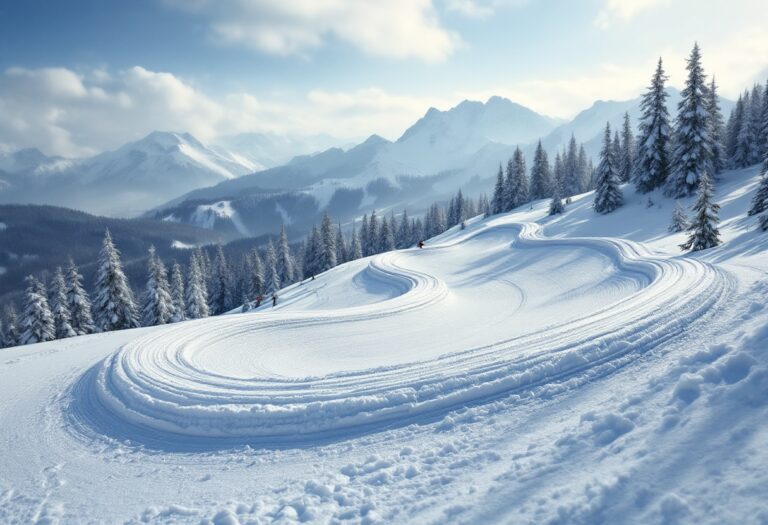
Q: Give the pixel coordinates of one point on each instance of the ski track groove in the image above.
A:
(152, 390)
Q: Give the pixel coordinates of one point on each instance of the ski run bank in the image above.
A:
(526, 369)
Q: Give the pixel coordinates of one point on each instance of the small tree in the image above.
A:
(271, 277)
(679, 219)
(608, 194)
(177, 293)
(196, 301)
(11, 336)
(62, 317)
(114, 305)
(78, 302)
(556, 205)
(37, 324)
(157, 306)
(704, 232)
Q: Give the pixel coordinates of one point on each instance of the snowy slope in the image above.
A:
(528, 369)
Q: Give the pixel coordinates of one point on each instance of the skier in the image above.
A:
(258, 300)
(421, 244)
(274, 300)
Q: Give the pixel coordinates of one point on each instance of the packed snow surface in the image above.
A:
(527, 369)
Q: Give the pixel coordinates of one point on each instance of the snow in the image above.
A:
(3, 226)
(179, 245)
(528, 369)
(206, 216)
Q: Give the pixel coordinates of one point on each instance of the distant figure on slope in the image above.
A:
(274, 300)
(259, 298)
(421, 244)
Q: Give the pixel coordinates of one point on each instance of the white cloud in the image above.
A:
(623, 10)
(393, 28)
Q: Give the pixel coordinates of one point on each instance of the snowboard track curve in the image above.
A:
(151, 392)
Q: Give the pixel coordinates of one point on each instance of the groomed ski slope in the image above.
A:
(527, 369)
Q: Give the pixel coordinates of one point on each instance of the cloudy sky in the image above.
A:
(81, 76)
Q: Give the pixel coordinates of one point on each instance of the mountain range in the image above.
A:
(245, 185)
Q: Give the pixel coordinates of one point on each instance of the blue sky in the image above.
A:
(81, 76)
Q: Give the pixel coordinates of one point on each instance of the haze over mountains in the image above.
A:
(247, 185)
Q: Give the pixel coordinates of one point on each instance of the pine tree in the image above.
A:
(364, 236)
(509, 198)
(62, 317)
(271, 274)
(692, 155)
(257, 274)
(763, 138)
(328, 242)
(11, 336)
(571, 183)
(520, 189)
(679, 219)
(608, 194)
(760, 199)
(373, 235)
(285, 265)
(312, 253)
(627, 150)
(652, 166)
(78, 302)
(460, 208)
(177, 293)
(497, 203)
(403, 238)
(556, 205)
(733, 130)
(37, 324)
(157, 305)
(114, 306)
(355, 250)
(221, 284)
(704, 232)
(341, 247)
(755, 125)
(196, 297)
(386, 239)
(716, 131)
(558, 173)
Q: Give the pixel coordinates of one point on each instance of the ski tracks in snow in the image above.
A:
(158, 390)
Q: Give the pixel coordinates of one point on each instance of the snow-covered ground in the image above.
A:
(528, 369)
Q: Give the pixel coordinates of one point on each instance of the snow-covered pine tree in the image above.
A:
(541, 176)
(679, 219)
(257, 274)
(373, 235)
(497, 202)
(763, 139)
(271, 274)
(521, 189)
(298, 260)
(403, 238)
(114, 307)
(756, 124)
(760, 199)
(284, 260)
(312, 253)
(716, 130)
(451, 215)
(11, 335)
(392, 229)
(386, 239)
(509, 199)
(691, 155)
(196, 297)
(556, 204)
(460, 207)
(37, 325)
(177, 293)
(608, 194)
(157, 303)
(617, 154)
(78, 302)
(571, 183)
(558, 174)
(627, 150)
(652, 164)
(62, 317)
(364, 235)
(355, 250)
(732, 131)
(704, 232)
(328, 242)
(341, 246)
(221, 299)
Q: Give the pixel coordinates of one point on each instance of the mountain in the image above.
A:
(268, 150)
(135, 177)
(434, 156)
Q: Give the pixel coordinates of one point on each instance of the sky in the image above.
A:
(84, 76)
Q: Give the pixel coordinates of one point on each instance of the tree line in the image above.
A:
(211, 283)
